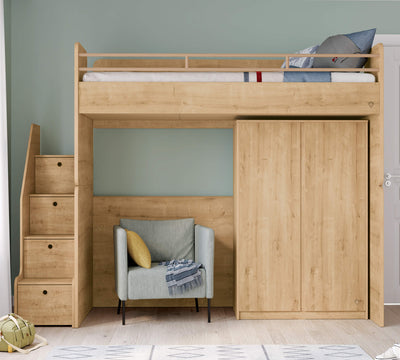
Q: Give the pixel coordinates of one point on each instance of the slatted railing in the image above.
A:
(188, 57)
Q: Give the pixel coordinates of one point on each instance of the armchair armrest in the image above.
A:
(121, 262)
(204, 254)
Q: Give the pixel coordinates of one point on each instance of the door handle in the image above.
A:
(389, 176)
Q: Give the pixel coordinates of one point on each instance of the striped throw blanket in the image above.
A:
(182, 275)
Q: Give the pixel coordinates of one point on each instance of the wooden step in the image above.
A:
(45, 301)
(50, 237)
(43, 281)
(51, 214)
(71, 195)
(48, 258)
(54, 174)
(54, 156)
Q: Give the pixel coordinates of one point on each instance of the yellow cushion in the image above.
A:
(138, 250)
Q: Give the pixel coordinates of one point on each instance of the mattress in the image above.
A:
(213, 77)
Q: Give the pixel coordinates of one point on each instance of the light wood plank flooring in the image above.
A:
(170, 326)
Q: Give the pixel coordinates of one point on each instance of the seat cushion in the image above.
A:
(165, 239)
(151, 284)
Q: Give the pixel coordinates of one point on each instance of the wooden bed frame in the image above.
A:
(205, 105)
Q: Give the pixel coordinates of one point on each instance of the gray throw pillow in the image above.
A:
(355, 43)
(338, 44)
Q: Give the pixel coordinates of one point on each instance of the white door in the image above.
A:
(392, 166)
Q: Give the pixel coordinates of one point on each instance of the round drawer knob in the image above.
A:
(55, 203)
(357, 301)
(44, 292)
(50, 246)
(59, 164)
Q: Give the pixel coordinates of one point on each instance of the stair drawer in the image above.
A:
(48, 258)
(54, 175)
(51, 215)
(45, 304)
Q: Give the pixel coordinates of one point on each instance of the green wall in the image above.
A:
(159, 162)
(40, 37)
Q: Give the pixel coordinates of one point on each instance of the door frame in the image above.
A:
(388, 40)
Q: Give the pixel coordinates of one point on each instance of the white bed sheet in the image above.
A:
(210, 77)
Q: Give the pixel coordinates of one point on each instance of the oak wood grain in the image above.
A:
(268, 216)
(235, 99)
(197, 63)
(376, 210)
(83, 271)
(214, 212)
(51, 214)
(54, 174)
(48, 258)
(334, 208)
(28, 187)
(83, 207)
(46, 304)
(305, 315)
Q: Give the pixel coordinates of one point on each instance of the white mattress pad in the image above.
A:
(212, 77)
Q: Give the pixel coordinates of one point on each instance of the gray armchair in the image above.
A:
(166, 240)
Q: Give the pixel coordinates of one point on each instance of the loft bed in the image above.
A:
(206, 104)
(226, 100)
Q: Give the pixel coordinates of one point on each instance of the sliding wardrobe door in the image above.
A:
(334, 206)
(267, 216)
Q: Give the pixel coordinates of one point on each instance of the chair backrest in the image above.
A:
(166, 239)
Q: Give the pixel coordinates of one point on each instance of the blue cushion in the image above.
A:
(363, 39)
(166, 239)
(309, 76)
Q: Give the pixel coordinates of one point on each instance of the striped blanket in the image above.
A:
(182, 275)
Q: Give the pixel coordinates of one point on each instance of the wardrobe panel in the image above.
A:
(267, 172)
(334, 205)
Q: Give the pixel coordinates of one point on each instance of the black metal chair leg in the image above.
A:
(197, 304)
(209, 314)
(123, 313)
(119, 307)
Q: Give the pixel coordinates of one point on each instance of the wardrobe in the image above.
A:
(301, 219)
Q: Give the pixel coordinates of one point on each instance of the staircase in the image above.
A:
(44, 287)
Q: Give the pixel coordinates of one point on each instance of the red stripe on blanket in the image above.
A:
(259, 76)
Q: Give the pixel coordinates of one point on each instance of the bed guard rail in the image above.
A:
(188, 57)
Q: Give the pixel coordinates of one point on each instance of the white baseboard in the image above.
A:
(392, 303)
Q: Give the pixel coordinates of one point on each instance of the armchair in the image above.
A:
(166, 240)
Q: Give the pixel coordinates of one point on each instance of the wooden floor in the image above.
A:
(185, 326)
